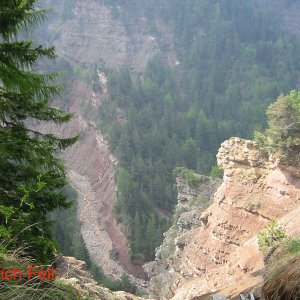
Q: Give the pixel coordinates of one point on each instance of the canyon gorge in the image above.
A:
(212, 245)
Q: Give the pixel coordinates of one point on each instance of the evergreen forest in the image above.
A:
(234, 59)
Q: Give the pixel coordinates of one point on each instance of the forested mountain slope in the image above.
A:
(209, 70)
(233, 59)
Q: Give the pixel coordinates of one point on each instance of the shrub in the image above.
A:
(188, 175)
(282, 135)
(216, 172)
(271, 235)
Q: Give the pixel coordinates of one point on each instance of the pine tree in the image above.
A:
(31, 176)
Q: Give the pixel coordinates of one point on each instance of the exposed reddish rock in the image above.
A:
(222, 254)
(91, 172)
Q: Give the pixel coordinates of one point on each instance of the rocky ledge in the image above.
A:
(216, 250)
(74, 272)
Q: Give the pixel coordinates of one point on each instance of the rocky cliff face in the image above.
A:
(87, 32)
(221, 253)
(192, 201)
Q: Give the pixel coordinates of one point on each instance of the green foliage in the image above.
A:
(188, 175)
(123, 284)
(216, 172)
(140, 183)
(67, 233)
(283, 271)
(282, 135)
(67, 229)
(30, 175)
(271, 235)
(127, 284)
(82, 73)
(293, 246)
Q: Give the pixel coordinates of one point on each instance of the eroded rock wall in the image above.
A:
(222, 253)
(85, 32)
(192, 201)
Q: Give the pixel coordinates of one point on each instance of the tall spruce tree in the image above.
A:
(31, 176)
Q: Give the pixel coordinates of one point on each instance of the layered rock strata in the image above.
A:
(192, 201)
(222, 254)
(88, 32)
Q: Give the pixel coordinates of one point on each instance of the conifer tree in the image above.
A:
(282, 137)
(31, 176)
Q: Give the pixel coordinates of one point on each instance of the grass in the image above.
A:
(34, 288)
(37, 290)
(283, 273)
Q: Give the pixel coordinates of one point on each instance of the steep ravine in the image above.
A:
(91, 172)
(86, 33)
(206, 258)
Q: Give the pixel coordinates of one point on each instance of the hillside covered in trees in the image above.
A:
(234, 58)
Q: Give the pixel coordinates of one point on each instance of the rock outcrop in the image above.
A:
(73, 272)
(192, 201)
(221, 254)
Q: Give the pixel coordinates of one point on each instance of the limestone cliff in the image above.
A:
(221, 254)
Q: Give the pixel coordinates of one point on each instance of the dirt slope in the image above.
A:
(91, 172)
